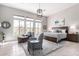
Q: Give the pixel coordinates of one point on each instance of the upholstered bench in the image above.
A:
(22, 39)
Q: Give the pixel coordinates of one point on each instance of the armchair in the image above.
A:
(35, 43)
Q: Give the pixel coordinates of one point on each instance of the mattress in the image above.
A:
(59, 36)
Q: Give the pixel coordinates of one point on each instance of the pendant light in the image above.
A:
(39, 11)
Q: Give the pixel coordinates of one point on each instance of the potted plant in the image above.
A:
(3, 35)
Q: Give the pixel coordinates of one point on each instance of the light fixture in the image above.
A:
(39, 11)
(73, 28)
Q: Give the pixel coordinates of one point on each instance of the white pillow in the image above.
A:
(54, 30)
(63, 30)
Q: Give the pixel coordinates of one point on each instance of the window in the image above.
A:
(28, 29)
(38, 28)
(18, 28)
(29, 26)
(21, 27)
(29, 19)
(24, 25)
(18, 17)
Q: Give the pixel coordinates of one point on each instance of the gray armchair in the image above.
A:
(35, 43)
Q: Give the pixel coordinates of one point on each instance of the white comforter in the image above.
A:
(59, 36)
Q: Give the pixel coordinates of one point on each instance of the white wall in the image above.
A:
(7, 13)
(71, 16)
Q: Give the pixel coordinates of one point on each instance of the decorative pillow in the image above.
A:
(54, 31)
(63, 30)
(58, 31)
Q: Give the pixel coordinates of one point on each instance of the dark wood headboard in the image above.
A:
(63, 27)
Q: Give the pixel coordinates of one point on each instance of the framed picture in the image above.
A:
(59, 22)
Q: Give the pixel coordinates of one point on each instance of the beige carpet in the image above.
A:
(48, 47)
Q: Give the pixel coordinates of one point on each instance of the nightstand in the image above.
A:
(73, 37)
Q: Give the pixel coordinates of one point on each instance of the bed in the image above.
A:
(59, 34)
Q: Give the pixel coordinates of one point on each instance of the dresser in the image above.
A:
(73, 37)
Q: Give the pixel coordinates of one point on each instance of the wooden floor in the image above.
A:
(14, 49)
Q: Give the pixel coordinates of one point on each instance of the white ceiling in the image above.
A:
(49, 8)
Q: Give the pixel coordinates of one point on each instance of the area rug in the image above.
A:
(48, 47)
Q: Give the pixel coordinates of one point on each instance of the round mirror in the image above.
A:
(5, 24)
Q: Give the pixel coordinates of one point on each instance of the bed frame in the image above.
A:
(55, 39)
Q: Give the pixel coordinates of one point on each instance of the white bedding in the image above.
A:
(59, 36)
